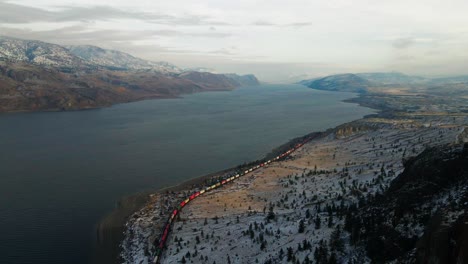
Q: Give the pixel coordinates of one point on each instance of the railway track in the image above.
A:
(160, 244)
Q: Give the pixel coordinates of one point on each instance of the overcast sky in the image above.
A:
(276, 40)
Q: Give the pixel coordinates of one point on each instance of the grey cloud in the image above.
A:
(110, 39)
(270, 24)
(18, 14)
(80, 34)
(103, 13)
(403, 43)
(223, 51)
(192, 20)
(263, 23)
(405, 58)
(12, 13)
(208, 34)
(300, 24)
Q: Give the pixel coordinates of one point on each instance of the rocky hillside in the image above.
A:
(119, 60)
(244, 80)
(28, 87)
(39, 76)
(422, 217)
(38, 53)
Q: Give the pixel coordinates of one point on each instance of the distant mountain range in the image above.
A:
(366, 82)
(340, 82)
(36, 75)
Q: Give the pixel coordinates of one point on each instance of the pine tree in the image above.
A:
(332, 259)
(281, 253)
(336, 243)
(301, 226)
(271, 214)
(317, 222)
(290, 254)
(330, 221)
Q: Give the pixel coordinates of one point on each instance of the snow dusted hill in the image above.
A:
(36, 75)
(38, 53)
(76, 57)
(345, 197)
(119, 60)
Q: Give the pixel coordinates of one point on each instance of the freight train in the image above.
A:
(159, 244)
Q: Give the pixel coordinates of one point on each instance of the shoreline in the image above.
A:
(110, 229)
(144, 98)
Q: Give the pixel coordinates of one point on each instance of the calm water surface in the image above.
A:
(61, 172)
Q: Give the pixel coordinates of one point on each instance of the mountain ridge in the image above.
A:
(40, 76)
(119, 60)
(372, 81)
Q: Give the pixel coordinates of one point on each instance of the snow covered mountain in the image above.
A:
(38, 53)
(119, 60)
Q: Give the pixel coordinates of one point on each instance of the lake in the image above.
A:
(61, 172)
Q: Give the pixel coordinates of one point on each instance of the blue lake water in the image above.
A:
(61, 172)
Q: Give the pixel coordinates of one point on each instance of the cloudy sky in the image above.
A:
(275, 39)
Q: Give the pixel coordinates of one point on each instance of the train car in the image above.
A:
(174, 214)
(157, 253)
(237, 176)
(250, 170)
(193, 196)
(263, 164)
(217, 185)
(232, 178)
(223, 182)
(182, 204)
(164, 236)
(247, 171)
(202, 191)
